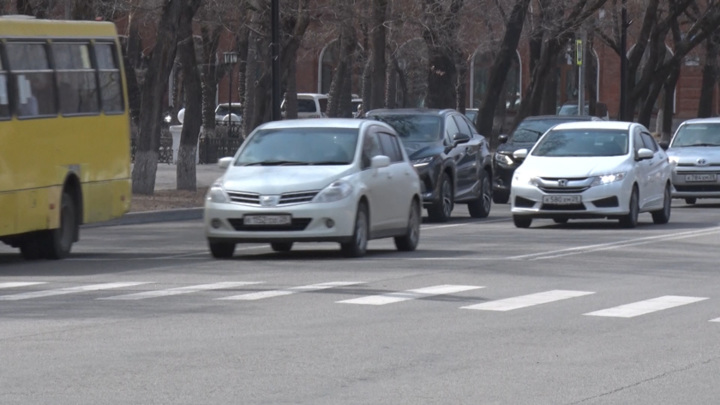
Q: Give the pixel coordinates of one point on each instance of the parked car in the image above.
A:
(309, 105)
(523, 136)
(323, 180)
(224, 112)
(571, 108)
(453, 160)
(694, 151)
(612, 170)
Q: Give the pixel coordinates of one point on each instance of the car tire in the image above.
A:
(500, 197)
(222, 250)
(631, 219)
(522, 221)
(281, 246)
(357, 246)
(560, 220)
(480, 207)
(690, 201)
(409, 241)
(441, 209)
(662, 216)
(57, 243)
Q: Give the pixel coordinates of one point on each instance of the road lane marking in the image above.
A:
(181, 290)
(715, 320)
(529, 300)
(278, 293)
(646, 307)
(68, 290)
(392, 298)
(13, 284)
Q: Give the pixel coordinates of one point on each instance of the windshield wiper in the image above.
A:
(702, 144)
(277, 163)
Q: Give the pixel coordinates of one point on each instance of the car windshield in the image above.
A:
(223, 110)
(697, 135)
(582, 142)
(414, 127)
(530, 131)
(299, 146)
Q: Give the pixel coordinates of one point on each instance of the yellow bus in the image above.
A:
(64, 132)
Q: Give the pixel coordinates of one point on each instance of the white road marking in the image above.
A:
(181, 290)
(68, 290)
(524, 301)
(647, 306)
(391, 298)
(278, 293)
(13, 284)
(715, 320)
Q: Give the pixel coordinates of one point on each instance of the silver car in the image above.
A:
(315, 180)
(592, 169)
(694, 151)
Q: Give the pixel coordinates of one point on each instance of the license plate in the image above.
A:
(267, 219)
(704, 177)
(562, 199)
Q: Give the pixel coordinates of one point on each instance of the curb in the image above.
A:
(147, 217)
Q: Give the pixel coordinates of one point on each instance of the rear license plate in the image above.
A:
(267, 219)
(562, 199)
(703, 177)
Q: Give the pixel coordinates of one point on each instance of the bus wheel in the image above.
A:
(59, 241)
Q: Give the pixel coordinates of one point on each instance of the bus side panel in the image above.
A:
(8, 213)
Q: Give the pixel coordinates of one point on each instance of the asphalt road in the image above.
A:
(481, 313)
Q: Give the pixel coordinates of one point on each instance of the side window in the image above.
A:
(463, 125)
(390, 147)
(34, 86)
(4, 98)
(451, 129)
(109, 77)
(371, 148)
(637, 141)
(649, 142)
(77, 85)
(306, 106)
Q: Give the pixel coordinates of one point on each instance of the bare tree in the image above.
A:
(441, 26)
(710, 75)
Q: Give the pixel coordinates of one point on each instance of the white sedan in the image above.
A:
(592, 169)
(315, 180)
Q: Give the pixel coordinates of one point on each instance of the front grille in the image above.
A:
(698, 188)
(297, 224)
(563, 207)
(563, 190)
(296, 198)
(285, 199)
(244, 198)
(694, 165)
(608, 202)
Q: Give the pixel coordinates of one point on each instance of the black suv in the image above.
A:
(523, 137)
(452, 159)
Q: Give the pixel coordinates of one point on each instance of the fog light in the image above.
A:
(329, 223)
(216, 223)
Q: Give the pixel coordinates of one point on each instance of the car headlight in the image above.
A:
(217, 194)
(334, 192)
(524, 179)
(503, 159)
(607, 179)
(423, 161)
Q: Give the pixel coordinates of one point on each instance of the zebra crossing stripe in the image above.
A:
(392, 298)
(525, 301)
(278, 293)
(68, 290)
(715, 320)
(180, 290)
(13, 284)
(647, 306)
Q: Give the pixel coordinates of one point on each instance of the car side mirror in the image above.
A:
(224, 163)
(520, 154)
(460, 138)
(644, 154)
(502, 138)
(379, 161)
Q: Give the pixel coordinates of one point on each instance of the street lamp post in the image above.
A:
(230, 60)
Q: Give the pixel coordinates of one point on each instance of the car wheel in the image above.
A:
(281, 246)
(440, 211)
(522, 221)
(560, 220)
(222, 250)
(409, 241)
(662, 216)
(58, 242)
(631, 219)
(690, 201)
(358, 245)
(500, 197)
(480, 207)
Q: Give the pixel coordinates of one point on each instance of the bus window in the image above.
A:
(110, 83)
(34, 88)
(76, 78)
(4, 99)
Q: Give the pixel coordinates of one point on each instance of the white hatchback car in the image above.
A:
(321, 180)
(309, 105)
(592, 169)
(695, 152)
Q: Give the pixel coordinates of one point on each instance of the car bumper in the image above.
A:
(502, 178)
(312, 222)
(610, 200)
(696, 183)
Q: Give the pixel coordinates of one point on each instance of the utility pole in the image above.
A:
(579, 56)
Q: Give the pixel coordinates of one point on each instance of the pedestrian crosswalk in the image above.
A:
(254, 291)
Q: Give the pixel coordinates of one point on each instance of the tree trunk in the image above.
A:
(378, 43)
(175, 14)
(209, 77)
(187, 151)
(709, 77)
